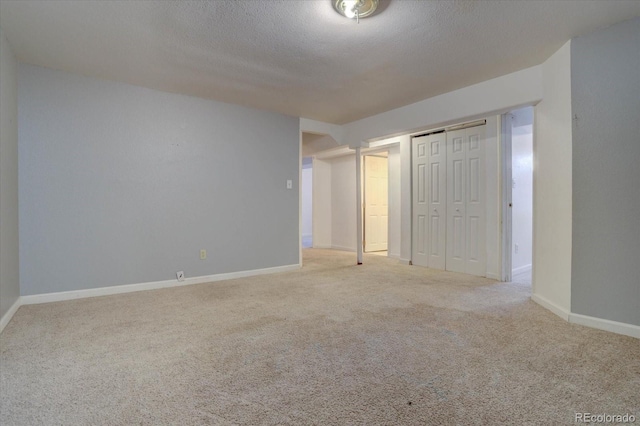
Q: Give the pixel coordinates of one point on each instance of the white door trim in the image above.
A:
(506, 194)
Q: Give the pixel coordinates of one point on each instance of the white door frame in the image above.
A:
(506, 121)
(506, 183)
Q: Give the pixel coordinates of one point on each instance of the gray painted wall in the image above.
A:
(120, 184)
(605, 84)
(9, 260)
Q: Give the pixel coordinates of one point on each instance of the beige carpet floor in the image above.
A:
(331, 344)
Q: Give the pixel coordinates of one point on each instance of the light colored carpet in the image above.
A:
(332, 344)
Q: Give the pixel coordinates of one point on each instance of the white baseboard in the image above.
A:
(545, 303)
(321, 246)
(593, 322)
(521, 269)
(493, 276)
(129, 288)
(405, 261)
(9, 314)
(394, 255)
(606, 325)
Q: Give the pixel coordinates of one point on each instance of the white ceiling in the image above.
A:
(300, 57)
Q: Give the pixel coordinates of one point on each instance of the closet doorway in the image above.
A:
(448, 203)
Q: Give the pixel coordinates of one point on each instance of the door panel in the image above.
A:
(458, 236)
(456, 174)
(376, 198)
(457, 180)
(420, 206)
(472, 239)
(429, 201)
(437, 201)
(435, 230)
(422, 184)
(474, 184)
(422, 234)
(466, 230)
(475, 203)
(435, 182)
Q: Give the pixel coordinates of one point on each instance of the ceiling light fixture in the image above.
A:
(355, 8)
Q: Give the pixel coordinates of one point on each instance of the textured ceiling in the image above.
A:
(300, 57)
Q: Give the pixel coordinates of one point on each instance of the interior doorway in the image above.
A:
(307, 202)
(518, 195)
(376, 203)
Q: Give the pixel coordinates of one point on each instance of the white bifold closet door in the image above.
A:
(449, 230)
(429, 201)
(466, 205)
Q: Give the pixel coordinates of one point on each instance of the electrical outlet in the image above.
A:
(516, 248)
(203, 254)
(180, 275)
(289, 184)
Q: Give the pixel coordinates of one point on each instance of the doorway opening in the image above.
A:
(518, 195)
(307, 202)
(376, 203)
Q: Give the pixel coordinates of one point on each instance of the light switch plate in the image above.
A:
(289, 184)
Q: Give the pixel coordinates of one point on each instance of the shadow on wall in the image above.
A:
(313, 143)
